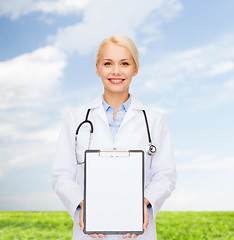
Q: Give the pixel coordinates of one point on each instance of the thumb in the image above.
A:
(146, 217)
(81, 222)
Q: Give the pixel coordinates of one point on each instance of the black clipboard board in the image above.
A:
(114, 192)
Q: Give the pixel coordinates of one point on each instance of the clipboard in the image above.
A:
(114, 192)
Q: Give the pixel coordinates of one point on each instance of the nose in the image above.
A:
(116, 69)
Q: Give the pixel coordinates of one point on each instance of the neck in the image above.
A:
(116, 99)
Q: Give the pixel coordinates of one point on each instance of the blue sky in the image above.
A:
(47, 67)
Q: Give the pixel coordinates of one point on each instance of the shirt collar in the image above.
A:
(135, 103)
(125, 105)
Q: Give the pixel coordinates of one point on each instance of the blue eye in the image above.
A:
(125, 63)
(107, 64)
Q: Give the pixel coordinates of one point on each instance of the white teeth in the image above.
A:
(116, 80)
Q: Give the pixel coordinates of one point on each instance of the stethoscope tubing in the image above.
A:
(151, 149)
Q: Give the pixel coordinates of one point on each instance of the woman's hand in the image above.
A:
(81, 222)
(128, 235)
(146, 220)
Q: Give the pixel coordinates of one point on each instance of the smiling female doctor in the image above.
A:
(119, 123)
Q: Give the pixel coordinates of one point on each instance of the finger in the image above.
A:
(97, 235)
(134, 235)
(146, 223)
(128, 235)
(81, 222)
(93, 235)
(101, 235)
(146, 218)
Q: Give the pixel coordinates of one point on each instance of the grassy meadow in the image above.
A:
(170, 225)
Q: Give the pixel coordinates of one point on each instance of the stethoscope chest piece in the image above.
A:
(151, 150)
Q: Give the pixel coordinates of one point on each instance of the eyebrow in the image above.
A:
(105, 59)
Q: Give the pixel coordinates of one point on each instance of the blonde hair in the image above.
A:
(122, 41)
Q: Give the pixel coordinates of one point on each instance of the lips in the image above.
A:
(116, 80)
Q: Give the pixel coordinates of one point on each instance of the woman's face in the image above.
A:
(116, 68)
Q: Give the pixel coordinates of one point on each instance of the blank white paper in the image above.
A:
(114, 192)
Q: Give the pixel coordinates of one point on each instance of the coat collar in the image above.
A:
(96, 103)
(136, 104)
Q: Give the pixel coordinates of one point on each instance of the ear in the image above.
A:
(135, 72)
(97, 70)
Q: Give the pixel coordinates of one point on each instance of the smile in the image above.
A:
(116, 80)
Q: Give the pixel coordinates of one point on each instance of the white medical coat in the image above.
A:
(160, 174)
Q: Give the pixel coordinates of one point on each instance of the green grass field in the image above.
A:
(170, 225)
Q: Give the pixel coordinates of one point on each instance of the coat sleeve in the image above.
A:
(63, 173)
(163, 171)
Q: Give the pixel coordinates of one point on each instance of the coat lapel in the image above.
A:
(131, 113)
(97, 105)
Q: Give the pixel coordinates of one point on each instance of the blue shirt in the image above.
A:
(122, 109)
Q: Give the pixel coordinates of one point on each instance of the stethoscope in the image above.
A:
(150, 149)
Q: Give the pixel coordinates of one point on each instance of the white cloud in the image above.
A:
(207, 163)
(29, 78)
(34, 201)
(226, 92)
(30, 154)
(181, 153)
(59, 6)
(28, 150)
(204, 183)
(16, 9)
(203, 75)
(15, 133)
(209, 198)
(117, 17)
(26, 140)
(28, 83)
(199, 64)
